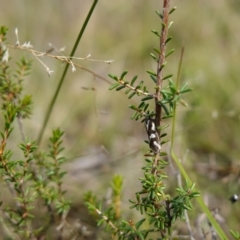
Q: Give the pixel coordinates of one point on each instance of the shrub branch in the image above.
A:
(161, 61)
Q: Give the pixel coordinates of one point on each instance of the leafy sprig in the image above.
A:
(159, 209)
(30, 179)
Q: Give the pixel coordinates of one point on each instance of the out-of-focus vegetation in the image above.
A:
(99, 136)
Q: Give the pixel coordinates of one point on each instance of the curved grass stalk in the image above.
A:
(200, 201)
(53, 101)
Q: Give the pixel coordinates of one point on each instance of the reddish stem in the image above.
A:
(161, 60)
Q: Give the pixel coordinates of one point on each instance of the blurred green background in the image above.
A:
(100, 138)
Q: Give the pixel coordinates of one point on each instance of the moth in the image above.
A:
(154, 141)
(234, 198)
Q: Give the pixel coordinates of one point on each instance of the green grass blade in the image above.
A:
(53, 101)
(205, 209)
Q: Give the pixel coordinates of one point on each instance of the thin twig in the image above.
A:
(135, 89)
(63, 59)
(161, 60)
(106, 219)
(155, 164)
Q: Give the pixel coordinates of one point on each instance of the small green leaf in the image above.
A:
(141, 105)
(151, 73)
(194, 194)
(2, 135)
(236, 235)
(153, 78)
(134, 115)
(114, 86)
(187, 207)
(172, 10)
(163, 65)
(173, 90)
(157, 51)
(192, 186)
(170, 52)
(159, 14)
(172, 86)
(131, 95)
(163, 154)
(27, 176)
(168, 76)
(186, 90)
(163, 135)
(155, 32)
(164, 127)
(133, 107)
(139, 223)
(140, 85)
(146, 107)
(184, 87)
(128, 91)
(168, 39)
(182, 102)
(120, 87)
(101, 221)
(113, 77)
(123, 74)
(167, 98)
(163, 24)
(133, 80)
(147, 98)
(145, 89)
(164, 107)
(154, 57)
(138, 117)
(170, 24)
